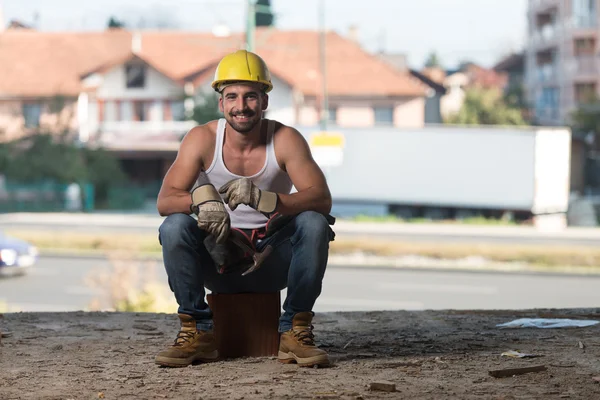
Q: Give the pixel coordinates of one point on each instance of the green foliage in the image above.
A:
(39, 158)
(103, 171)
(56, 104)
(515, 97)
(115, 23)
(207, 108)
(486, 107)
(48, 158)
(586, 118)
(433, 60)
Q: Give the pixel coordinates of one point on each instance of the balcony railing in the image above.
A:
(584, 22)
(584, 66)
(546, 73)
(146, 128)
(542, 4)
(547, 35)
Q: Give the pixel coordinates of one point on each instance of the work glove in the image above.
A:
(244, 191)
(212, 214)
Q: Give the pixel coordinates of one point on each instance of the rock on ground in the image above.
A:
(424, 355)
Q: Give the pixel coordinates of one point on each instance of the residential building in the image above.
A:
(456, 84)
(561, 58)
(434, 89)
(433, 101)
(121, 81)
(513, 66)
(132, 92)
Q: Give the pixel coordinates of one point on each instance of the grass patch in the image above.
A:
(532, 253)
(94, 242)
(463, 221)
(144, 244)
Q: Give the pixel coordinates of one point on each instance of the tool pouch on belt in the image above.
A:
(229, 257)
(238, 253)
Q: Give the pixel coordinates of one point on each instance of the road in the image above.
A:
(425, 232)
(58, 284)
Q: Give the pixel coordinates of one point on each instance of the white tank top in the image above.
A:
(271, 177)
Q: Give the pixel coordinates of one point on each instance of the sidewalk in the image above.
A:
(342, 227)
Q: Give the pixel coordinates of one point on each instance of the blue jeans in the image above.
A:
(298, 261)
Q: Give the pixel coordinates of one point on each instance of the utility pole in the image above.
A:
(253, 8)
(323, 66)
(251, 25)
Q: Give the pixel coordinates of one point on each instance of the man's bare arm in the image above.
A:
(174, 196)
(312, 190)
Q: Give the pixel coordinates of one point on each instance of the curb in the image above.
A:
(409, 263)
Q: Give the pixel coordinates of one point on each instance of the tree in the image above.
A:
(586, 118)
(486, 107)
(115, 23)
(264, 18)
(207, 108)
(44, 157)
(433, 60)
(585, 123)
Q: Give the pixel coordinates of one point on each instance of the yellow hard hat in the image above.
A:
(242, 66)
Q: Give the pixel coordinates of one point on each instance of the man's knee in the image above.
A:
(314, 224)
(174, 228)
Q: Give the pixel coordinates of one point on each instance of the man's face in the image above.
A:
(243, 105)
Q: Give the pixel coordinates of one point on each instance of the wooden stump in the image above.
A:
(246, 324)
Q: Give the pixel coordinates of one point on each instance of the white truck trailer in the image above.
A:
(449, 172)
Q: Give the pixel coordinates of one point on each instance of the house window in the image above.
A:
(135, 76)
(32, 113)
(384, 115)
(584, 13)
(332, 114)
(178, 110)
(125, 112)
(140, 111)
(584, 46)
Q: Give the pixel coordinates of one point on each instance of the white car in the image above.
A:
(16, 256)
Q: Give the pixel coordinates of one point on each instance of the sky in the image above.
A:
(482, 31)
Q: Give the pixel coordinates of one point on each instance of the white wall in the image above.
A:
(281, 102)
(355, 116)
(156, 86)
(410, 113)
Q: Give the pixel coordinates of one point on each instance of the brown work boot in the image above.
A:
(298, 344)
(190, 345)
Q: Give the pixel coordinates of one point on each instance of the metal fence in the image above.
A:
(46, 197)
(57, 197)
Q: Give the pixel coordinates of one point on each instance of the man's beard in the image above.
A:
(243, 126)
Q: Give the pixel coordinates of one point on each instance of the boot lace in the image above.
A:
(305, 335)
(184, 337)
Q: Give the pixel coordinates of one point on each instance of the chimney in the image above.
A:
(136, 42)
(353, 32)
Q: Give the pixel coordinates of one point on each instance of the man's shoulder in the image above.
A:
(202, 134)
(200, 140)
(283, 130)
(204, 130)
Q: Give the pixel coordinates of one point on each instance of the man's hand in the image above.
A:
(244, 191)
(212, 214)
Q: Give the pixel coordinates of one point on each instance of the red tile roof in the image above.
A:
(44, 64)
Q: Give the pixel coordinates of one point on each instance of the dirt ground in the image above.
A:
(426, 355)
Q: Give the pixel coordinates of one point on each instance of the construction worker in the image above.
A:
(236, 175)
